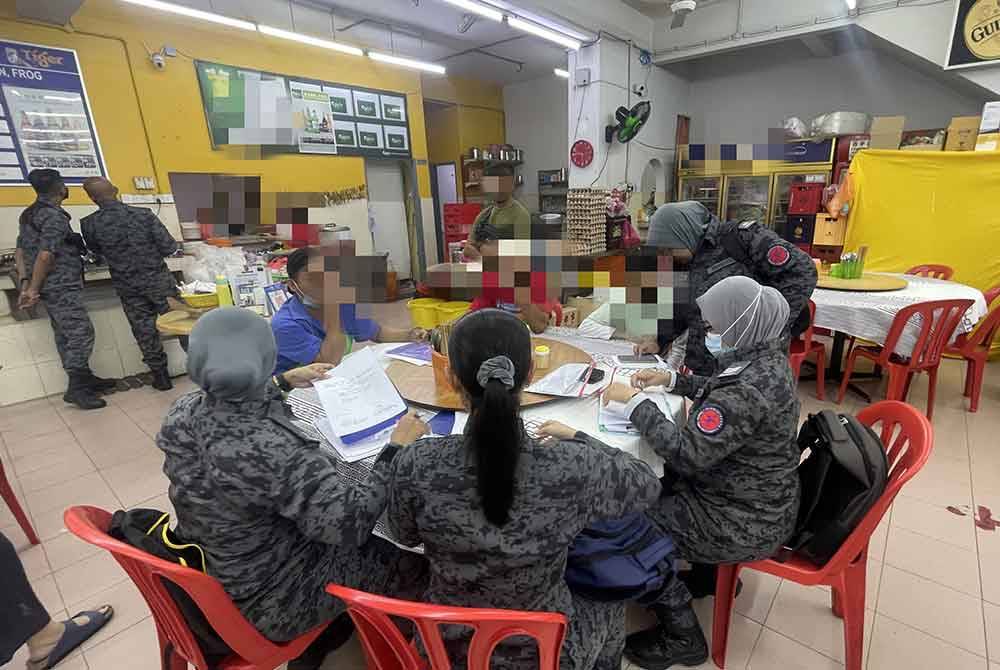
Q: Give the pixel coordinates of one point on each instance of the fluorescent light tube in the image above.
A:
(562, 73)
(406, 62)
(313, 41)
(476, 8)
(194, 13)
(544, 33)
(852, 5)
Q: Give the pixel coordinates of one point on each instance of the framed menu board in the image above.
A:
(290, 114)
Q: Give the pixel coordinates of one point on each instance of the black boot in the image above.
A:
(677, 640)
(81, 394)
(100, 384)
(161, 380)
(330, 640)
(701, 578)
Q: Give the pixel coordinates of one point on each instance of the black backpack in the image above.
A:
(842, 477)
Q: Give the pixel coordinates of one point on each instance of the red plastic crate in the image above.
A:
(805, 198)
(462, 213)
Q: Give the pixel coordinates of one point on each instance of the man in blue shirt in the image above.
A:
(319, 323)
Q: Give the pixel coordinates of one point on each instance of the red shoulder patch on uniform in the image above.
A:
(710, 420)
(778, 255)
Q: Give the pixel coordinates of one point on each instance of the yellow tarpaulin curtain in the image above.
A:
(916, 207)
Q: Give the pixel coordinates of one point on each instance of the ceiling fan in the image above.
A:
(680, 10)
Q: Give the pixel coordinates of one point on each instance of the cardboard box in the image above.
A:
(991, 118)
(887, 132)
(829, 232)
(988, 142)
(962, 133)
(923, 140)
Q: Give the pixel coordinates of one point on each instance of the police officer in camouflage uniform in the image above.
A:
(497, 511)
(731, 491)
(730, 249)
(134, 242)
(266, 503)
(50, 269)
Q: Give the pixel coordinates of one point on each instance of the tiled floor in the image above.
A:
(934, 577)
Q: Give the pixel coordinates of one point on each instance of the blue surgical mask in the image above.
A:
(303, 298)
(713, 342)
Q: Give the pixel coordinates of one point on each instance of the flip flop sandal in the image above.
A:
(75, 635)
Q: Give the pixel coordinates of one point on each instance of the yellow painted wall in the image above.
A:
(111, 39)
(462, 91)
(451, 131)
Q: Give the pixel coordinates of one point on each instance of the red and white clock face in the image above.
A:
(582, 153)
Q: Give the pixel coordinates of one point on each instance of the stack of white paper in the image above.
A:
(358, 451)
(565, 381)
(359, 398)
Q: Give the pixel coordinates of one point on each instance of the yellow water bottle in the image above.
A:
(223, 291)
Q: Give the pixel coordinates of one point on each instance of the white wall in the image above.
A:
(736, 97)
(615, 70)
(536, 120)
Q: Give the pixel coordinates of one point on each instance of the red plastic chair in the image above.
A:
(975, 349)
(801, 348)
(935, 271)
(7, 493)
(845, 572)
(387, 649)
(938, 320)
(178, 646)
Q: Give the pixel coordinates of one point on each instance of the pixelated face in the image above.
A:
(533, 268)
(644, 293)
(335, 276)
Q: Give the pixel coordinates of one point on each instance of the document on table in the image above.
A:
(417, 353)
(359, 398)
(565, 381)
(358, 451)
(612, 419)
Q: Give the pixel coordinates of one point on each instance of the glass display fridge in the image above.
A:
(706, 190)
(747, 198)
(781, 194)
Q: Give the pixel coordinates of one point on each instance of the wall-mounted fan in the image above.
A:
(628, 122)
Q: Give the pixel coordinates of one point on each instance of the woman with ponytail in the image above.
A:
(497, 510)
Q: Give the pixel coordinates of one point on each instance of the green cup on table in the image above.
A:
(837, 271)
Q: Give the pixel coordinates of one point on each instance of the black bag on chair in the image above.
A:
(843, 476)
(149, 530)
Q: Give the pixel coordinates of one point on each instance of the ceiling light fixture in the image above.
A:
(561, 73)
(852, 5)
(313, 41)
(476, 8)
(544, 33)
(407, 62)
(194, 13)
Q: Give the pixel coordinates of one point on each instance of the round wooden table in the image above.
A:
(416, 383)
(869, 283)
(176, 323)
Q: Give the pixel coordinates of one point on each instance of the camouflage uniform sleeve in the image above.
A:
(163, 241)
(403, 500)
(785, 267)
(619, 483)
(54, 229)
(689, 385)
(87, 228)
(721, 425)
(308, 490)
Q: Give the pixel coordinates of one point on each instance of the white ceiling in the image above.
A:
(658, 9)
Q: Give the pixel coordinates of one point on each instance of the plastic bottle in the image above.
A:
(223, 291)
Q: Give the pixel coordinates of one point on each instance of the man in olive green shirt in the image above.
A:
(506, 215)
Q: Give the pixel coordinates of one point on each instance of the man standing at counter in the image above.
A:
(50, 271)
(507, 216)
(134, 243)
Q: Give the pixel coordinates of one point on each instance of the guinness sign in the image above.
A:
(975, 36)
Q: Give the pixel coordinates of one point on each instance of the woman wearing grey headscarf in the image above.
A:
(266, 503)
(719, 250)
(731, 488)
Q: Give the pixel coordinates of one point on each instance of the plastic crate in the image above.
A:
(805, 198)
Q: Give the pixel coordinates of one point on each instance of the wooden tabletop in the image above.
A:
(868, 283)
(176, 323)
(416, 383)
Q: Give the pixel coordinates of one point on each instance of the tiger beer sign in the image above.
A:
(975, 35)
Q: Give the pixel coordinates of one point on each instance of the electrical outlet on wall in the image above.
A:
(582, 77)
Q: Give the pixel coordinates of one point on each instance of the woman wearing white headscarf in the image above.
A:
(731, 492)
